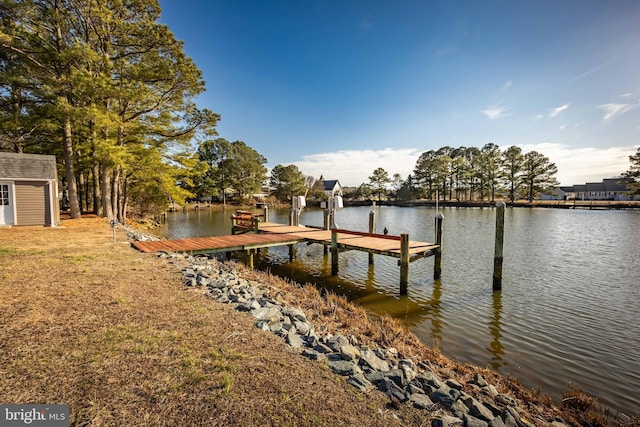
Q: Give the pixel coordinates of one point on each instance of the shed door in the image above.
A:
(6, 203)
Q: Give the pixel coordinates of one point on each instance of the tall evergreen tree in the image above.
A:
(247, 170)
(489, 170)
(379, 181)
(214, 153)
(423, 172)
(441, 173)
(287, 181)
(538, 174)
(512, 163)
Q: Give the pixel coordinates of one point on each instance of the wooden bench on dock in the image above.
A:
(244, 222)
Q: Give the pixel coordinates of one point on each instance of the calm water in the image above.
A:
(569, 310)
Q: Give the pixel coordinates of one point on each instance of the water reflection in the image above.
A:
(371, 277)
(495, 327)
(567, 274)
(436, 316)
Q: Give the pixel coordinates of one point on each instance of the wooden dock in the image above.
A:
(272, 234)
(353, 240)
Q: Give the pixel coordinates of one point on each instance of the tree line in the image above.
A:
(464, 173)
(467, 173)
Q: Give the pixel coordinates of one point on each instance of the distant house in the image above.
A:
(332, 188)
(28, 190)
(264, 192)
(560, 193)
(608, 189)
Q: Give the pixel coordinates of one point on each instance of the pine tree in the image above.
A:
(287, 181)
(512, 164)
(379, 181)
(538, 174)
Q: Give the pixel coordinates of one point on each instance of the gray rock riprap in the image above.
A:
(364, 367)
(136, 235)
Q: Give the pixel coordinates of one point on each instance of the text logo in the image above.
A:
(34, 415)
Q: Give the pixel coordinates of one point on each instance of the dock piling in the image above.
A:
(372, 227)
(437, 263)
(251, 254)
(497, 258)
(334, 252)
(325, 216)
(404, 263)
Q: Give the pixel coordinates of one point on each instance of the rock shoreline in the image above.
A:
(476, 403)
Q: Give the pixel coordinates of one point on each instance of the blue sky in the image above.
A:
(342, 87)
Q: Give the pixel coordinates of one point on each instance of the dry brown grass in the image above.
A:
(116, 335)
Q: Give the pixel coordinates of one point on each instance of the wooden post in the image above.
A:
(113, 227)
(497, 257)
(334, 252)
(325, 215)
(250, 254)
(404, 263)
(292, 253)
(265, 211)
(291, 217)
(437, 263)
(372, 228)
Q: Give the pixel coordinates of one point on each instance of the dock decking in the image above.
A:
(271, 234)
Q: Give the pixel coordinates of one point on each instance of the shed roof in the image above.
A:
(27, 166)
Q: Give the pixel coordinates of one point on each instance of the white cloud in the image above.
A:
(353, 167)
(587, 164)
(613, 110)
(591, 71)
(496, 112)
(505, 87)
(553, 112)
(626, 95)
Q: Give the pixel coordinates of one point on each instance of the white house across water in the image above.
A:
(28, 190)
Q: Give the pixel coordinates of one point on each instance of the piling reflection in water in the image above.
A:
(495, 327)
